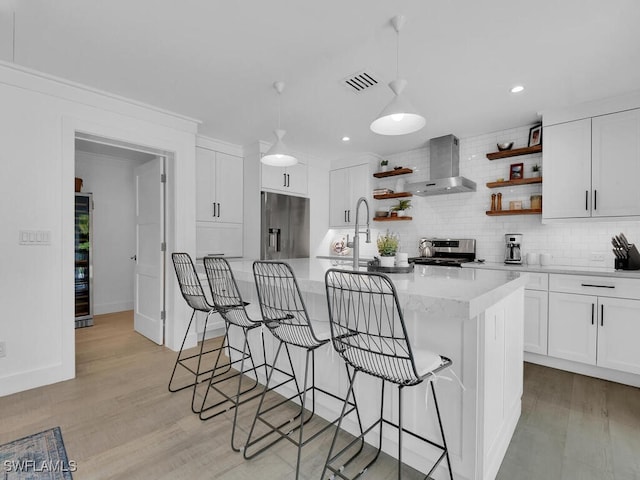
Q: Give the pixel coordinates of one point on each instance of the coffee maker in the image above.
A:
(512, 251)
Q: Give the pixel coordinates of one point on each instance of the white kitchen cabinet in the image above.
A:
(615, 164)
(290, 180)
(536, 304)
(599, 330)
(618, 334)
(347, 185)
(572, 327)
(219, 239)
(591, 166)
(219, 182)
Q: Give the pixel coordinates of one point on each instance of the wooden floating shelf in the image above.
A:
(527, 211)
(515, 152)
(520, 181)
(393, 173)
(391, 219)
(383, 196)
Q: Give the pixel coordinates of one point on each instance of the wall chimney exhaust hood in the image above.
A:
(444, 160)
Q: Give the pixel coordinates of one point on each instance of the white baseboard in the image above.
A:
(103, 308)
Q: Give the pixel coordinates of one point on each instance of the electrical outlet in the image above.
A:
(3, 349)
(597, 257)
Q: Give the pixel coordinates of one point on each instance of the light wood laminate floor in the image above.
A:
(119, 421)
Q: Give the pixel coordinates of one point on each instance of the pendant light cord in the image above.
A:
(398, 54)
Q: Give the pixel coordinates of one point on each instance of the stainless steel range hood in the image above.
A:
(444, 162)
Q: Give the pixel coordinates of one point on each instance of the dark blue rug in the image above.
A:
(40, 456)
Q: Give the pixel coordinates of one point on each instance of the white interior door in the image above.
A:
(149, 271)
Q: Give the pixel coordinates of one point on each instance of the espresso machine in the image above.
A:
(512, 250)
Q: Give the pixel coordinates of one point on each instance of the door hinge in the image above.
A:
(163, 314)
(163, 178)
(163, 247)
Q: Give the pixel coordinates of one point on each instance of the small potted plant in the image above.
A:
(402, 207)
(384, 165)
(387, 248)
(536, 170)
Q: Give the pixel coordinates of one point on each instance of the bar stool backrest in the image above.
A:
(190, 285)
(281, 304)
(367, 326)
(224, 291)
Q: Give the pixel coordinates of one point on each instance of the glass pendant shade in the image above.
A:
(279, 155)
(398, 117)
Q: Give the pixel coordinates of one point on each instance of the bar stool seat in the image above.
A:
(369, 333)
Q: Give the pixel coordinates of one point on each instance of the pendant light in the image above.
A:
(398, 117)
(279, 155)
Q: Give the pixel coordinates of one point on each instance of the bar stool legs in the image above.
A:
(338, 470)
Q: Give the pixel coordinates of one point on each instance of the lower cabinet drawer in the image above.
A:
(600, 286)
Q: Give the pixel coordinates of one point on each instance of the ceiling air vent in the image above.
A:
(360, 81)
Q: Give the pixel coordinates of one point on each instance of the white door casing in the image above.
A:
(150, 262)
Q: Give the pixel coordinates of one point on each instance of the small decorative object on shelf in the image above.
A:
(387, 248)
(384, 165)
(504, 146)
(515, 205)
(401, 207)
(535, 170)
(516, 171)
(536, 202)
(493, 202)
(535, 136)
(499, 203)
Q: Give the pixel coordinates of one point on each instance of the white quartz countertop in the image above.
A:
(472, 289)
(563, 269)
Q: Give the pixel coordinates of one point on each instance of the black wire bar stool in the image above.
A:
(284, 313)
(193, 294)
(368, 331)
(228, 302)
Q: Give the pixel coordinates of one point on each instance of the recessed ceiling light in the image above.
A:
(517, 89)
(345, 139)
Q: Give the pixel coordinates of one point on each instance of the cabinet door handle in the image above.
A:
(214, 209)
(593, 313)
(597, 286)
(349, 216)
(288, 180)
(284, 175)
(595, 199)
(586, 199)
(219, 210)
(602, 315)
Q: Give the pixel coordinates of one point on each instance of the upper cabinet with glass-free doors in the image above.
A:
(591, 167)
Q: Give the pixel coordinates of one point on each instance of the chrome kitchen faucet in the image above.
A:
(356, 237)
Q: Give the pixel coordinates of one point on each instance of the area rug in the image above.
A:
(40, 456)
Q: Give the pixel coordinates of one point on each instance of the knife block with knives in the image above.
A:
(626, 254)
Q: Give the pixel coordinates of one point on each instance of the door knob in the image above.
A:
(135, 257)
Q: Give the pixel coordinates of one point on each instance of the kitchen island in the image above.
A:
(474, 317)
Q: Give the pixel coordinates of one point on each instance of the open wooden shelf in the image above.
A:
(514, 152)
(527, 211)
(393, 173)
(519, 181)
(384, 196)
(391, 219)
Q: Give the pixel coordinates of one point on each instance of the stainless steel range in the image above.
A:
(447, 252)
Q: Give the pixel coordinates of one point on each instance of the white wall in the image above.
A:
(39, 117)
(462, 215)
(111, 180)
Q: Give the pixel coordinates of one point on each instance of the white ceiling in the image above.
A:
(216, 61)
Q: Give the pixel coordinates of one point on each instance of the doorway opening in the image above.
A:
(129, 221)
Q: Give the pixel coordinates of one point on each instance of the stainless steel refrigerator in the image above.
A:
(284, 226)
